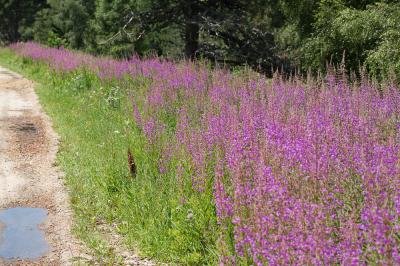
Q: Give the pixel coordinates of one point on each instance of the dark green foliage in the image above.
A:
(16, 18)
(108, 19)
(265, 34)
(236, 32)
(63, 23)
(367, 37)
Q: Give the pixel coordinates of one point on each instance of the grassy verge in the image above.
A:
(95, 123)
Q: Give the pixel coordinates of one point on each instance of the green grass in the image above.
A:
(96, 127)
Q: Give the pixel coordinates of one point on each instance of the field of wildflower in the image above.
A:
(267, 171)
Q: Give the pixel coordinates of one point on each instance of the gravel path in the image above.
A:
(28, 176)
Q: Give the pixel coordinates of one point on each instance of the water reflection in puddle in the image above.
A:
(21, 237)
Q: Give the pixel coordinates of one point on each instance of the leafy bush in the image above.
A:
(367, 37)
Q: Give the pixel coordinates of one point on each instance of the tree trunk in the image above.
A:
(191, 30)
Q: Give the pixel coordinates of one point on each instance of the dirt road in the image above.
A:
(28, 177)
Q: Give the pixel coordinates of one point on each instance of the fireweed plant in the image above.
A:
(296, 173)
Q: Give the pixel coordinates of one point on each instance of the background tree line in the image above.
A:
(265, 34)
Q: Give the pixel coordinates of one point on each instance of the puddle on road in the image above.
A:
(21, 237)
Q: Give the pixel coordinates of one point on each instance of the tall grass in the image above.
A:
(249, 170)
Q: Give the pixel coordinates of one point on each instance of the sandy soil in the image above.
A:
(28, 176)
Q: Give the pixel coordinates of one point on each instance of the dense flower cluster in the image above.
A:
(302, 174)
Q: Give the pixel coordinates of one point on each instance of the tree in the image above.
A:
(63, 22)
(108, 19)
(363, 36)
(16, 18)
(231, 31)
